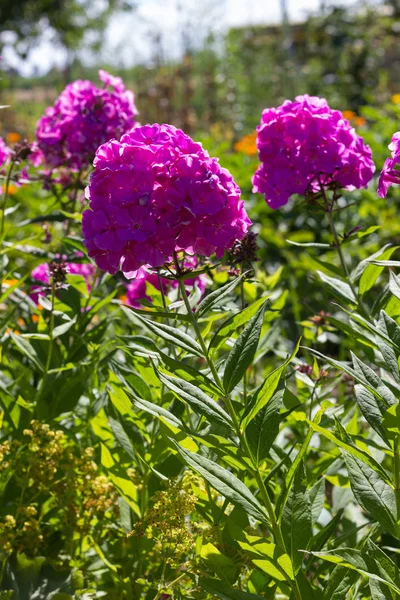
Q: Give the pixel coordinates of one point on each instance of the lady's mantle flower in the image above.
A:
(305, 144)
(156, 192)
(83, 117)
(390, 173)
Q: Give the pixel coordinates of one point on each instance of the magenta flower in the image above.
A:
(305, 144)
(83, 117)
(42, 273)
(390, 173)
(156, 192)
(136, 288)
(5, 152)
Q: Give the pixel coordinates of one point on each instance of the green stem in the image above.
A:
(50, 350)
(161, 584)
(4, 203)
(242, 438)
(396, 464)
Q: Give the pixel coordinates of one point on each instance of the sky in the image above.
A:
(129, 39)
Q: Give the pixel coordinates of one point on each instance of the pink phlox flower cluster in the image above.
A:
(136, 288)
(154, 192)
(42, 273)
(390, 173)
(83, 117)
(305, 144)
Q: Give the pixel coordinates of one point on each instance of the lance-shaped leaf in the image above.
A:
(225, 482)
(354, 559)
(264, 428)
(213, 299)
(339, 287)
(372, 272)
(371, 408)
(341, 580)
(242, 353)
(232, 324)
(265, 392)
(353, 450)
(373, 386)
(197, 399)
(296, 519)
(169, 334)
(372, 492)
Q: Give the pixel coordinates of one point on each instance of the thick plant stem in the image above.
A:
(242, 438)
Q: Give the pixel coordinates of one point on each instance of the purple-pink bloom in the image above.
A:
(390, 173)
(156, 192)
(136, 288)
(305, 144)
(83, 117)
(42, 274)
(5, 152)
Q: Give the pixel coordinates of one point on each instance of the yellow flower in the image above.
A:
(396, 99)
(247, 144)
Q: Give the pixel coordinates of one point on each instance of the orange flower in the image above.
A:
(12, 189)
(13, 137)
(355, 120)
(349, 115)
(247, 144)
(35, 318)
(9, 282)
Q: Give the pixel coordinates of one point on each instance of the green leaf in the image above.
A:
(338, 286)
(373, 385)
(296, 519)
(232, 324)
(242, 353)
(394, 284)
(221, 565)
(353, 559)
(167, 333)
(322, 537)
(220, 590)
(317, 498)
(391, 422)
(213, 299)
(189, 373)
(267, 556)
(341, 580)
(122, 438)
(372, 272)
(374, 380)
(225, 482)
(353, 450)
(295, 465)
(63, 328)
(28, 350)
(371, 408)
(197, 399)
(264, 428)
(265, 392)
(372, 492)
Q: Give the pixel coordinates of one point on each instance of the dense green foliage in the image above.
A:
(247, 449)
